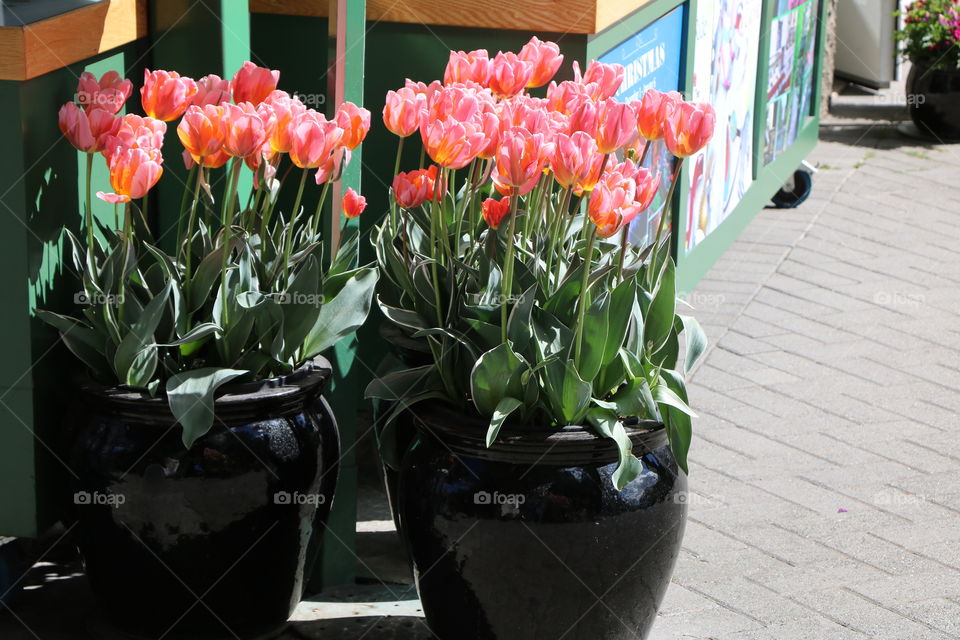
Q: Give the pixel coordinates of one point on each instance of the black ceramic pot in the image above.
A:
(212, 541)
(934, 102)
(529, 540)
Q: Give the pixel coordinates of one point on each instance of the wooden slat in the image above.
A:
(32, 50)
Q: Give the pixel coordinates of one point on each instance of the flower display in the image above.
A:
(523, 285)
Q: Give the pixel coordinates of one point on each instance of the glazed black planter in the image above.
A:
(212, 541)
(529, 540)
(934, 102)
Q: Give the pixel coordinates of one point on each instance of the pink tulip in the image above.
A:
(133, 172)
(401, 113)
(353, 203)
(601, 80)
(312, 139)
(253, 84)
(109, 93)
(285, 110)
(202, 131)
(87, 131)
(520, 159)
(355, 122)
(584, 116)
(565, 96)
(463, 105)
(211, 89)
(450, 143)
(616, 125)
(426, 89)
(135, 132)
(475, 66)
(654, 110)
(510, 74)
(332, 168)
(165, 95)
(244, 130)
(574, 159)
(690, 128)
(545, 58)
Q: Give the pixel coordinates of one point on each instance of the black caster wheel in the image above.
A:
(795, 192)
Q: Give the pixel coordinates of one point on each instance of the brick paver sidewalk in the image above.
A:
(825, 471)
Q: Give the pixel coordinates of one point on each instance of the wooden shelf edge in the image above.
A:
(56, 42)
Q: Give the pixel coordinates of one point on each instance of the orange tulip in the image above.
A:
(545, 58)
(401, 113)
(495, 211)
(413, 188)
(450, 143)
(653, 111)
(475, 66)
(509, 74)
(353, 204)
(285, 110)
(211, 89)
(355, 122)
(616, 125)
(109, 93)
(244, 132)
(201, 131)
(253, 84)
(312, 139)
(165, 95)
(690, 128)
(133, 172)
(87, 131)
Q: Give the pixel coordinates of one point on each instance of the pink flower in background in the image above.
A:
(211, 89)
(545, 58)
(165, 94)
(253, 84)
(109, 93)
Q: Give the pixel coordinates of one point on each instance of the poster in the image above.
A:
(726, 53)
(651, 60)
(793, 35)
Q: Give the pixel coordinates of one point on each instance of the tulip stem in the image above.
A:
(507, 289)
(91, 267)
(288, 245)
(183, 200)
(226, 220)
(396, 163)
(433, 264)
(584, 299)
(665, 214)
(187, 242)
(315, 223)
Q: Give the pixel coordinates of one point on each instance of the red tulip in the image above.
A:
(510, 74)
(401, 113)
(616, 125)
(109, 93)
(653, 111)
(133, 172)
(211, 89)
(495, 211)
(355, 122)
(353, 203)
(545, 58)
(312, 139)
(475, 66)
(165, 95)
(253, 84)
(690, 128)
(413, 188)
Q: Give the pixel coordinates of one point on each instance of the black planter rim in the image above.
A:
(464, 434)
(234, 403)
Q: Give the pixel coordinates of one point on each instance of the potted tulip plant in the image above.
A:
(931, 42)
(203, 446)
(552, 415)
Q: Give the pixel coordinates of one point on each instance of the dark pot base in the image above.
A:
(537, 551)
(934, 103)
